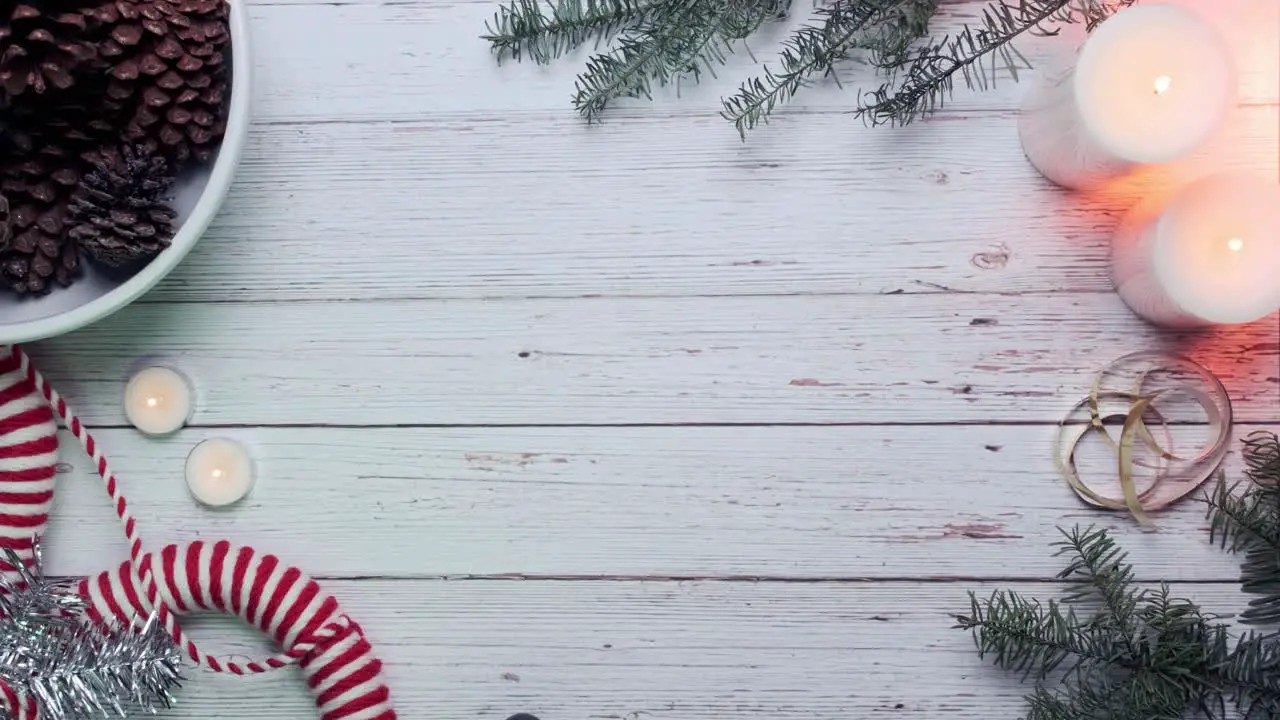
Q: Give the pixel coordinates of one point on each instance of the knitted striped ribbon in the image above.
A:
(336, 659)
(279, 600)
(28, 455)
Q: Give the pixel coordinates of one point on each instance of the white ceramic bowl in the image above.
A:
(197, 196)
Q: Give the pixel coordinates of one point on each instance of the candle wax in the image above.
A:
(1210, 255)
(158, 400)
(1149, 84)
(219, 472)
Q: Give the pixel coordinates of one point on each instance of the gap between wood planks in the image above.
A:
(928, 288)
(516, 426)
(633, 113)
(761, 579)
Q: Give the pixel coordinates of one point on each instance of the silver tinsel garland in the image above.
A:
(74, 669)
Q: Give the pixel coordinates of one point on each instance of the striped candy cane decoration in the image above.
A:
(281, 601)
(28, 458)
(336, 658)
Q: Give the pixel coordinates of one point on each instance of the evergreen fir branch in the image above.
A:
(690, 37)
(547, 31)
(1142, 654)
(1252, 671)
(920, 82)
(1099, 570)
(1240, 521)
(1026, 637)
(1248, 521)
(847, 26)
(1085, 702)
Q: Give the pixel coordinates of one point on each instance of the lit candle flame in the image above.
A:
(1162, 84)
(152, 402)
(1235, 244)
(217, 473)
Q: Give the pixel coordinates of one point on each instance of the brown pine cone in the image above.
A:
(168, 72)
(41, 178)
(119, 214)
(73, 122)
(37, 186)
(38, 254)
(42, 44)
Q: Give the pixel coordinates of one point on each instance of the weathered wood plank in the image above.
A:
(677, 651)
(794, 502)
(544, 206)
(949, 357)
(403, 61)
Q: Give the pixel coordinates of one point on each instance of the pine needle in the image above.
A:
(815, 50)
(1245, 518)
(546, 31)
(1139, 654)
(1142, 654)
(689, 38)
(920, 82)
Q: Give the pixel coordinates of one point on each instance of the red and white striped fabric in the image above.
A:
(281, 601)
(290, 607)
(28, 460)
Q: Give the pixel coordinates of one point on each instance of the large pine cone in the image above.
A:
(42, 44)
(71, 122)
(119, 214)
(168, 72)
(37, 186)
(38, 254)
(42, 177)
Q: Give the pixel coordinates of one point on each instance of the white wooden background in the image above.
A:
(635, 420)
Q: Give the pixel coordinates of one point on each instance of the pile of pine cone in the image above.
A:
(102, 103)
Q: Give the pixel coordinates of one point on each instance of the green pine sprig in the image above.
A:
(691, 37)
(814, 51)
(1113, 650)
(546, 31)
(1244, 518)
(920, 82)
(660, 42)
(1251, 674)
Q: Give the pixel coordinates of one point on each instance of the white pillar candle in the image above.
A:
(1208, 256)
(219, 472)
(1148, 85)
(158, 400)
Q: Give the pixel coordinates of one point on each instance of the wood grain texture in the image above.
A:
(406, 60)
(949, 357)
(799, 502)
(677, 651)
(635, 420)
(542, 205)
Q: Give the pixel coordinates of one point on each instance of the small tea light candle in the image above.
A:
(1209, 256)
(219, 472)
(158, 400)
(1148, 85)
